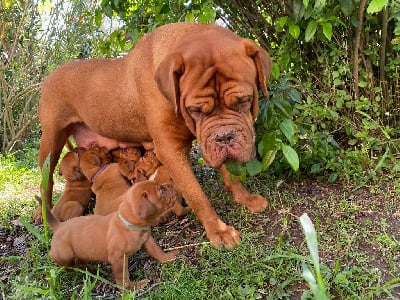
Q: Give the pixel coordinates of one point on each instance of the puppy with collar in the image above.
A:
(116, 237)
(149, 167)
(107, 181)
(77, 189)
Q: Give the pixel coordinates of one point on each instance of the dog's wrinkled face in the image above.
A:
(216, 91)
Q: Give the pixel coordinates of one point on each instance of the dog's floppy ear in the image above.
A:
(144, 207)
(263, 63)
(167, 77)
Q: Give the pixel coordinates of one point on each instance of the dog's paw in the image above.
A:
(255, 203)
(221, 234)
(132, 285)
(170, 256)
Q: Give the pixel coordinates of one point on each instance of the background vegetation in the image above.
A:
(333, 114)
(335, 100)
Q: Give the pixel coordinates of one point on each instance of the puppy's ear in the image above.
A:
(167, 77)
(263, 63)
(144, 207)
(94, 160)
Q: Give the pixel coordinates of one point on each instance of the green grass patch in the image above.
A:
(356, 239)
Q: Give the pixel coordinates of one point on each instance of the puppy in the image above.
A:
(116, 237)
(146, 166)
(107, 181)
(150, 167)
(77, 189)
(127, 159)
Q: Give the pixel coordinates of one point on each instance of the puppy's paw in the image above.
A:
(132, 285)
(170, 256)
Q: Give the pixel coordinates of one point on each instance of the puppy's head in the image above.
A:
(70, 167)
(148, 200)
(147, 164)
(94, 158)
(127, 161)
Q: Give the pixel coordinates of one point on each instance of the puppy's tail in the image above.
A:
(52, 220)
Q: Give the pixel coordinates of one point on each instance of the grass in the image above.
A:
(357, 234)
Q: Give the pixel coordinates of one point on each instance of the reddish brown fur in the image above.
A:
(168, 91)
(77, 189)
(108, 239)
(109, 184)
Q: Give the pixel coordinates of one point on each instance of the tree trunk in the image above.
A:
(357, 47)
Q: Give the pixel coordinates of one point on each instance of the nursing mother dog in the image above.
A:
(183, 81)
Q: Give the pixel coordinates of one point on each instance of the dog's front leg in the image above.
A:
(254, 203)
(177, 161)
(119, 265)
(154, 250)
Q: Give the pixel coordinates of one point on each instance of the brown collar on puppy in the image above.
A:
(131, 226)
(99, 172)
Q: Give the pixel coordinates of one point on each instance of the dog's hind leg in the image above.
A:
(52, 142)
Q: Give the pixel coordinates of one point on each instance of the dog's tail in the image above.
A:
(52, 220)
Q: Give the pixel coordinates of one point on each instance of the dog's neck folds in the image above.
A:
(131, 226)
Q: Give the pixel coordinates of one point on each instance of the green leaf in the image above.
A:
(284, 107)
(253, 167)
(310, 30)
(311, 237)
(376, 6)
(297, 10)
(291, 156)
(346, 6)
(165, 9)
(270, 142)
(327, 30)
(268, 159)
(281, 23)
(234, 167)
(276, 72)
(189, 17)
(46, 173)
(98, 17)
(293, 95)
(294, 30)
(286, 126)
(319, 4)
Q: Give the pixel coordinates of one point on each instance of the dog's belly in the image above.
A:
(85, 137)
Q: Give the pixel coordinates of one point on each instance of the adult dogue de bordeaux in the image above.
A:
(183, 81)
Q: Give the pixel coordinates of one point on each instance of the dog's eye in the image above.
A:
(243, 104)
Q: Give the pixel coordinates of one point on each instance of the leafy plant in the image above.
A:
(314, 279)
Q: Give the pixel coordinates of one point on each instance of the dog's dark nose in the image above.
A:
(225, 137)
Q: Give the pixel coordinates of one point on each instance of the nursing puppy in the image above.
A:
(116, 237)
(149, 167)
(107, 181)
(77, 189)
(126, 159)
